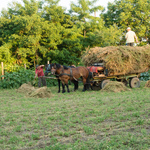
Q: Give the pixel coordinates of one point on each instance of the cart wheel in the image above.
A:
(95, 86)
(103, 83)
(134, 82)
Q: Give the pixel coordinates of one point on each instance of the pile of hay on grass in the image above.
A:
(42, 92)
(119, 59)
(26, 88)
(147, 84)
(31, 91)
(114, 86)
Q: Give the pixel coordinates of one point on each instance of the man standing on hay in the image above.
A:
(40, 74)
(130, 35)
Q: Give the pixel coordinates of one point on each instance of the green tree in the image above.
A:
(29, 34)
(104, 37)
(69, 51)
(133, 13)
(28, 8)
(5, 54)
(82, 14)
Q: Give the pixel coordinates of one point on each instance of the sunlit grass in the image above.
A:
(76, 120)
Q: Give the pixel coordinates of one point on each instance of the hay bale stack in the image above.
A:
(114, 86)
(147, 84)
(120, 59)
(42, 92)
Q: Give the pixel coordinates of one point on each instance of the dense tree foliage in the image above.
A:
(133, 13)
(40, 30)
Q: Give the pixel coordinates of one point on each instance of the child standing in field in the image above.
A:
(39, 73)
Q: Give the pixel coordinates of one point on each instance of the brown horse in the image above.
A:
(72, 74)
(48, 70)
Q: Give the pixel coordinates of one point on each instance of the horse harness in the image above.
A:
(68, 74)
(62, 73)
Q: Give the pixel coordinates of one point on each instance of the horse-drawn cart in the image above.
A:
(101, 77)
(121, 63)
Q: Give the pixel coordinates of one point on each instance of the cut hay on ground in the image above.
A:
(26, 88)
(147, 84)
(114, 86)
(31, 91)
(42, 92)
(120, 59)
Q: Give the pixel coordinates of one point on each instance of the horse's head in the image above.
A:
(56, 68)
(47, 69)
(53, 68)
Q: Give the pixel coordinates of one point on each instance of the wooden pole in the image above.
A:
(25, 66)
(2, 70)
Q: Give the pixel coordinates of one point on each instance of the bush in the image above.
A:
(51, 82)
(145, 76)
(17, 78)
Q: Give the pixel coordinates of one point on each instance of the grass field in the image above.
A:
(89, 120)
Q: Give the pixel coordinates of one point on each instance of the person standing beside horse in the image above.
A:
(40, 74)
(130, 36)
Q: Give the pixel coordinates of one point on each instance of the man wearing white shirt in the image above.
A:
(130, 35)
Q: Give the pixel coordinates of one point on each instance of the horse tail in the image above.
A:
(88, 80)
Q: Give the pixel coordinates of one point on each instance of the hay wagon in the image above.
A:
(102, 76)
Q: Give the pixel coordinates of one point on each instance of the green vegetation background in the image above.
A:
(40, 30)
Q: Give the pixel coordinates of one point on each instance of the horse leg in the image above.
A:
(90, 76)
(67, 88)
(63, 85)
(84, 83)
(75, 84)
(63, 88)
(58, 85)
(66, 83)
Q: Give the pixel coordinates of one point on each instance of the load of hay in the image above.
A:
(31, 91)
(120, 59)
(114, 86)
(147, 84)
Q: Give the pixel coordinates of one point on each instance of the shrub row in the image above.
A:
(17, 78)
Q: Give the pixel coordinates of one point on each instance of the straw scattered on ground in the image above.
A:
(31, 91)
(119, 59)
(114, 86)
(147, 84)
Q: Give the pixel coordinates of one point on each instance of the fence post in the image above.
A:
(2, 70)
(25, 66)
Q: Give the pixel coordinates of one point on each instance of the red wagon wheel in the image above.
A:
(134, 82)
